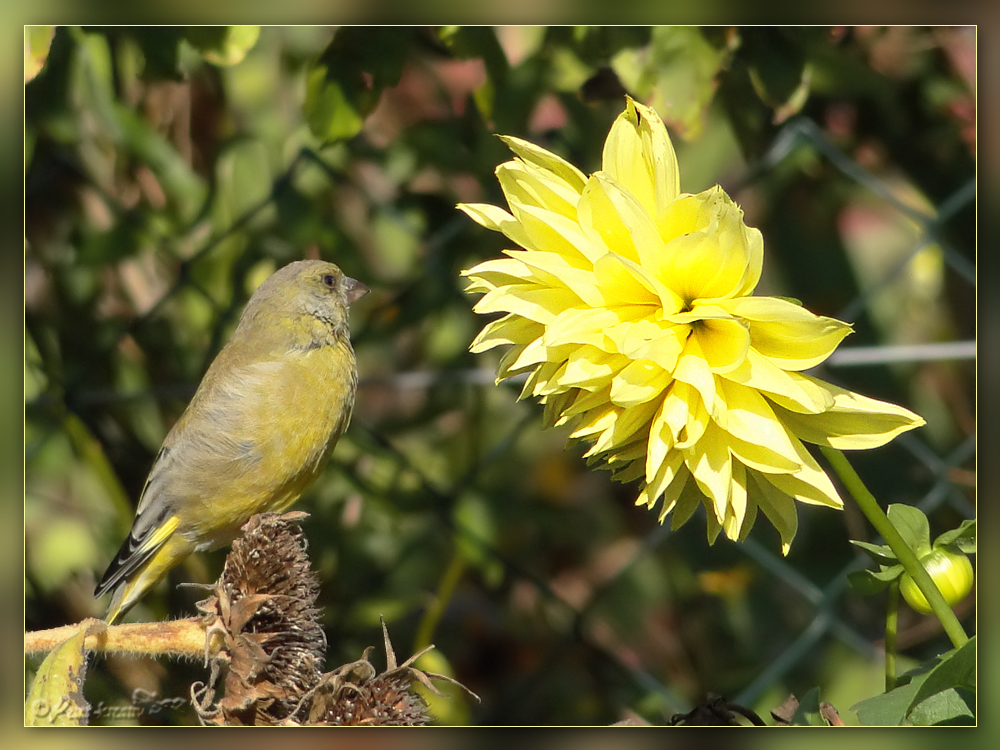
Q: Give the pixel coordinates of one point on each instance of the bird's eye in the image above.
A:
(330, 280)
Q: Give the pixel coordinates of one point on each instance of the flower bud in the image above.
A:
(950, 571)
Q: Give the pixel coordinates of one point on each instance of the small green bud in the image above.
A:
(950, 571)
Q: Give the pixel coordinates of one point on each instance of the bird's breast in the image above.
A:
(261, 432)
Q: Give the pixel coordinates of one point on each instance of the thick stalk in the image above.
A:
(880, 521)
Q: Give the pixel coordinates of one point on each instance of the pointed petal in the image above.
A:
(555, 269)
(639, 155)
(787, 334)
(778, 507)
(538, 187)
(638, 382)
(537, 303)
(495, 218)
(711, 466)
(538, 156)
(692, 368)
(853, 422)
(789, 389)
(761, 438)
(580, 326)
(510, 329)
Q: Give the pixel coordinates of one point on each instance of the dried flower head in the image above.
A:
(356, 695)
(629, 305)
(264, 610)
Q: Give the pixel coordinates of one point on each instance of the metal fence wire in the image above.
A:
(545, 631)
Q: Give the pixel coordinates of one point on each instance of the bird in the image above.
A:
(257, 432)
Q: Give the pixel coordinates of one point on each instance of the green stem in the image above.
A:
(891, 623)
(878, 519)
(429, 622)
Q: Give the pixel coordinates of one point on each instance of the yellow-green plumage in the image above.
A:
(257, 432)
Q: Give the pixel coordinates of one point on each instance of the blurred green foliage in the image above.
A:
(169, 170)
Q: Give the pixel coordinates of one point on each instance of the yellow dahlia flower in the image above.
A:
(630, 306)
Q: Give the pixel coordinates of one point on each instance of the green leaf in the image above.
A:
(37, 40)
(160, 51)
(350, 76)
(223, 45)
(808, 713)
(868, 582)
(675, 75)
(56, 694)
(881, 553)
(964, 537)
(956, 668)
(329, 112)
(951, 707)
(479, 42)
(939, 688)
(778, 70)
(886, 710)
(912, 525)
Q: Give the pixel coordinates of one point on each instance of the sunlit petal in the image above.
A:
(629, 306)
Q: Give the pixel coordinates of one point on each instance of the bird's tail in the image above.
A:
(139, 567)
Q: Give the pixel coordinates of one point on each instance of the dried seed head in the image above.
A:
(264, 606)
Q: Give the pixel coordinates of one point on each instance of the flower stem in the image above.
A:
(891, 623)
(878, 519)
(429, 622)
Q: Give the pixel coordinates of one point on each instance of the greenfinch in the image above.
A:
(257, 432)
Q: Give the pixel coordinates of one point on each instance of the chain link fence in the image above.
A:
(461, 521)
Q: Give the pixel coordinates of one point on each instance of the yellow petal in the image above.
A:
(536, 155)
(682, 414)
(682, 498)
(530, 301)
(624, 283)
(497, 272)
(711, 466)
(584, 401)
(628, 423)
(789, 335)
(538, 187)
(580, 326)
(536, 352)
(495, 218)
(639, 155)
(539, 382)
(554, 269)
(777, 506)
(503, 367)
(762, 458)
(666, 471)
(736, 510)
(724, 342)
(510, 329)
(789, 389)
(598, 214)
(853, 422)
(692, 368)
(589, 367)
(762, 438)
(685, 499)
(595, 421)
(553, 232)
(638, 382)
(658, 342)
(714, 257)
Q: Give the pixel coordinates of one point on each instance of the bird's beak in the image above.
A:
(355, 289)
